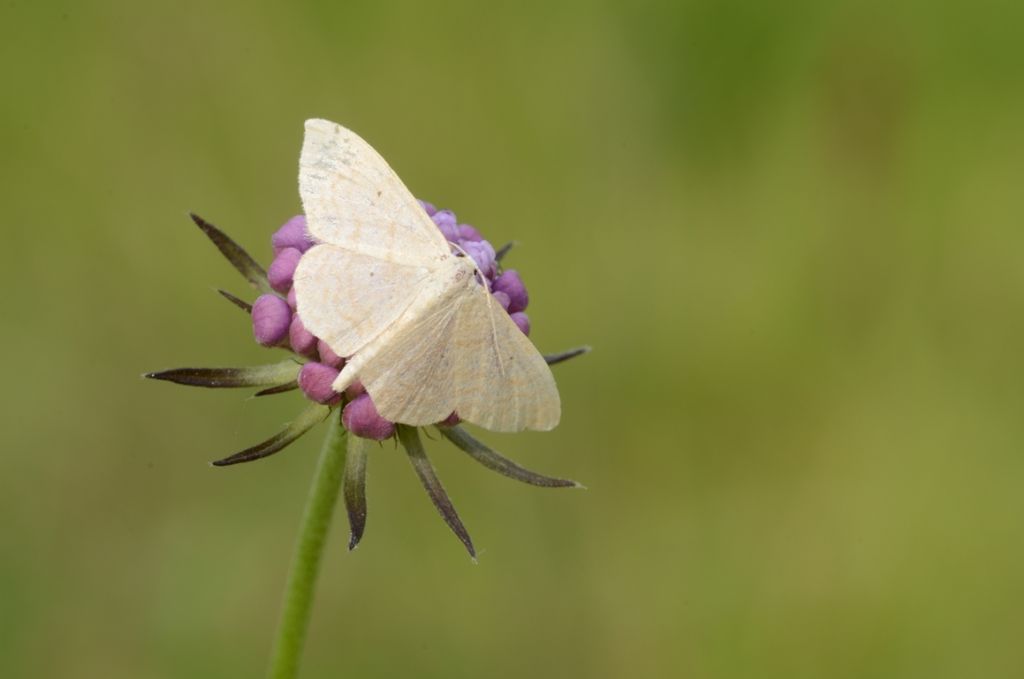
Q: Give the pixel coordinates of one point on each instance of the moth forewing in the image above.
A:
(352, 198)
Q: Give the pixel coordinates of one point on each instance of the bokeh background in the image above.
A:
(791, 231)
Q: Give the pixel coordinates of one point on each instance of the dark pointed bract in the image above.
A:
(354, 487)
(240, 303)
(229, 378)
(565, 355)
(410, 438)
(239, 258)
(279, 389)
(307, 419)
(503, 250)
(499, 463)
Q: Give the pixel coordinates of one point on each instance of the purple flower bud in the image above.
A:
(511, 284)
(451, 420)
(283, 268)
(315, 382)
(445, 220)
(502, 299)
(428, 207)
(443, 217)
(523, 321)
(270, 319)
(292, 302)
(328, 356)
(302, 340)
(362, 419)
(467, 232)
(483, 254)
(292, 235)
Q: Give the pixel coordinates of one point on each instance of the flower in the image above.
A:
(312, 366)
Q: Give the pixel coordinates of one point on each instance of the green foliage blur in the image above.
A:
(792, 233)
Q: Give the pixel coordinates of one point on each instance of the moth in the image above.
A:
(414, 319)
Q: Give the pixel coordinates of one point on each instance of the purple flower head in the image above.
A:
(314, 367)
(315, 381)
(292, 235)
(271, 317)
(362, 419)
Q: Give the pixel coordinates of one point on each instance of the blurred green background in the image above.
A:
(791, 231)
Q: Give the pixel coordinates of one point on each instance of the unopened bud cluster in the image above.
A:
(276, 322)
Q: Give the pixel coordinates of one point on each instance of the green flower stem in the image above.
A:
(298, 598)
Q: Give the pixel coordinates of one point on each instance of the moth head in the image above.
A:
(467, 269)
